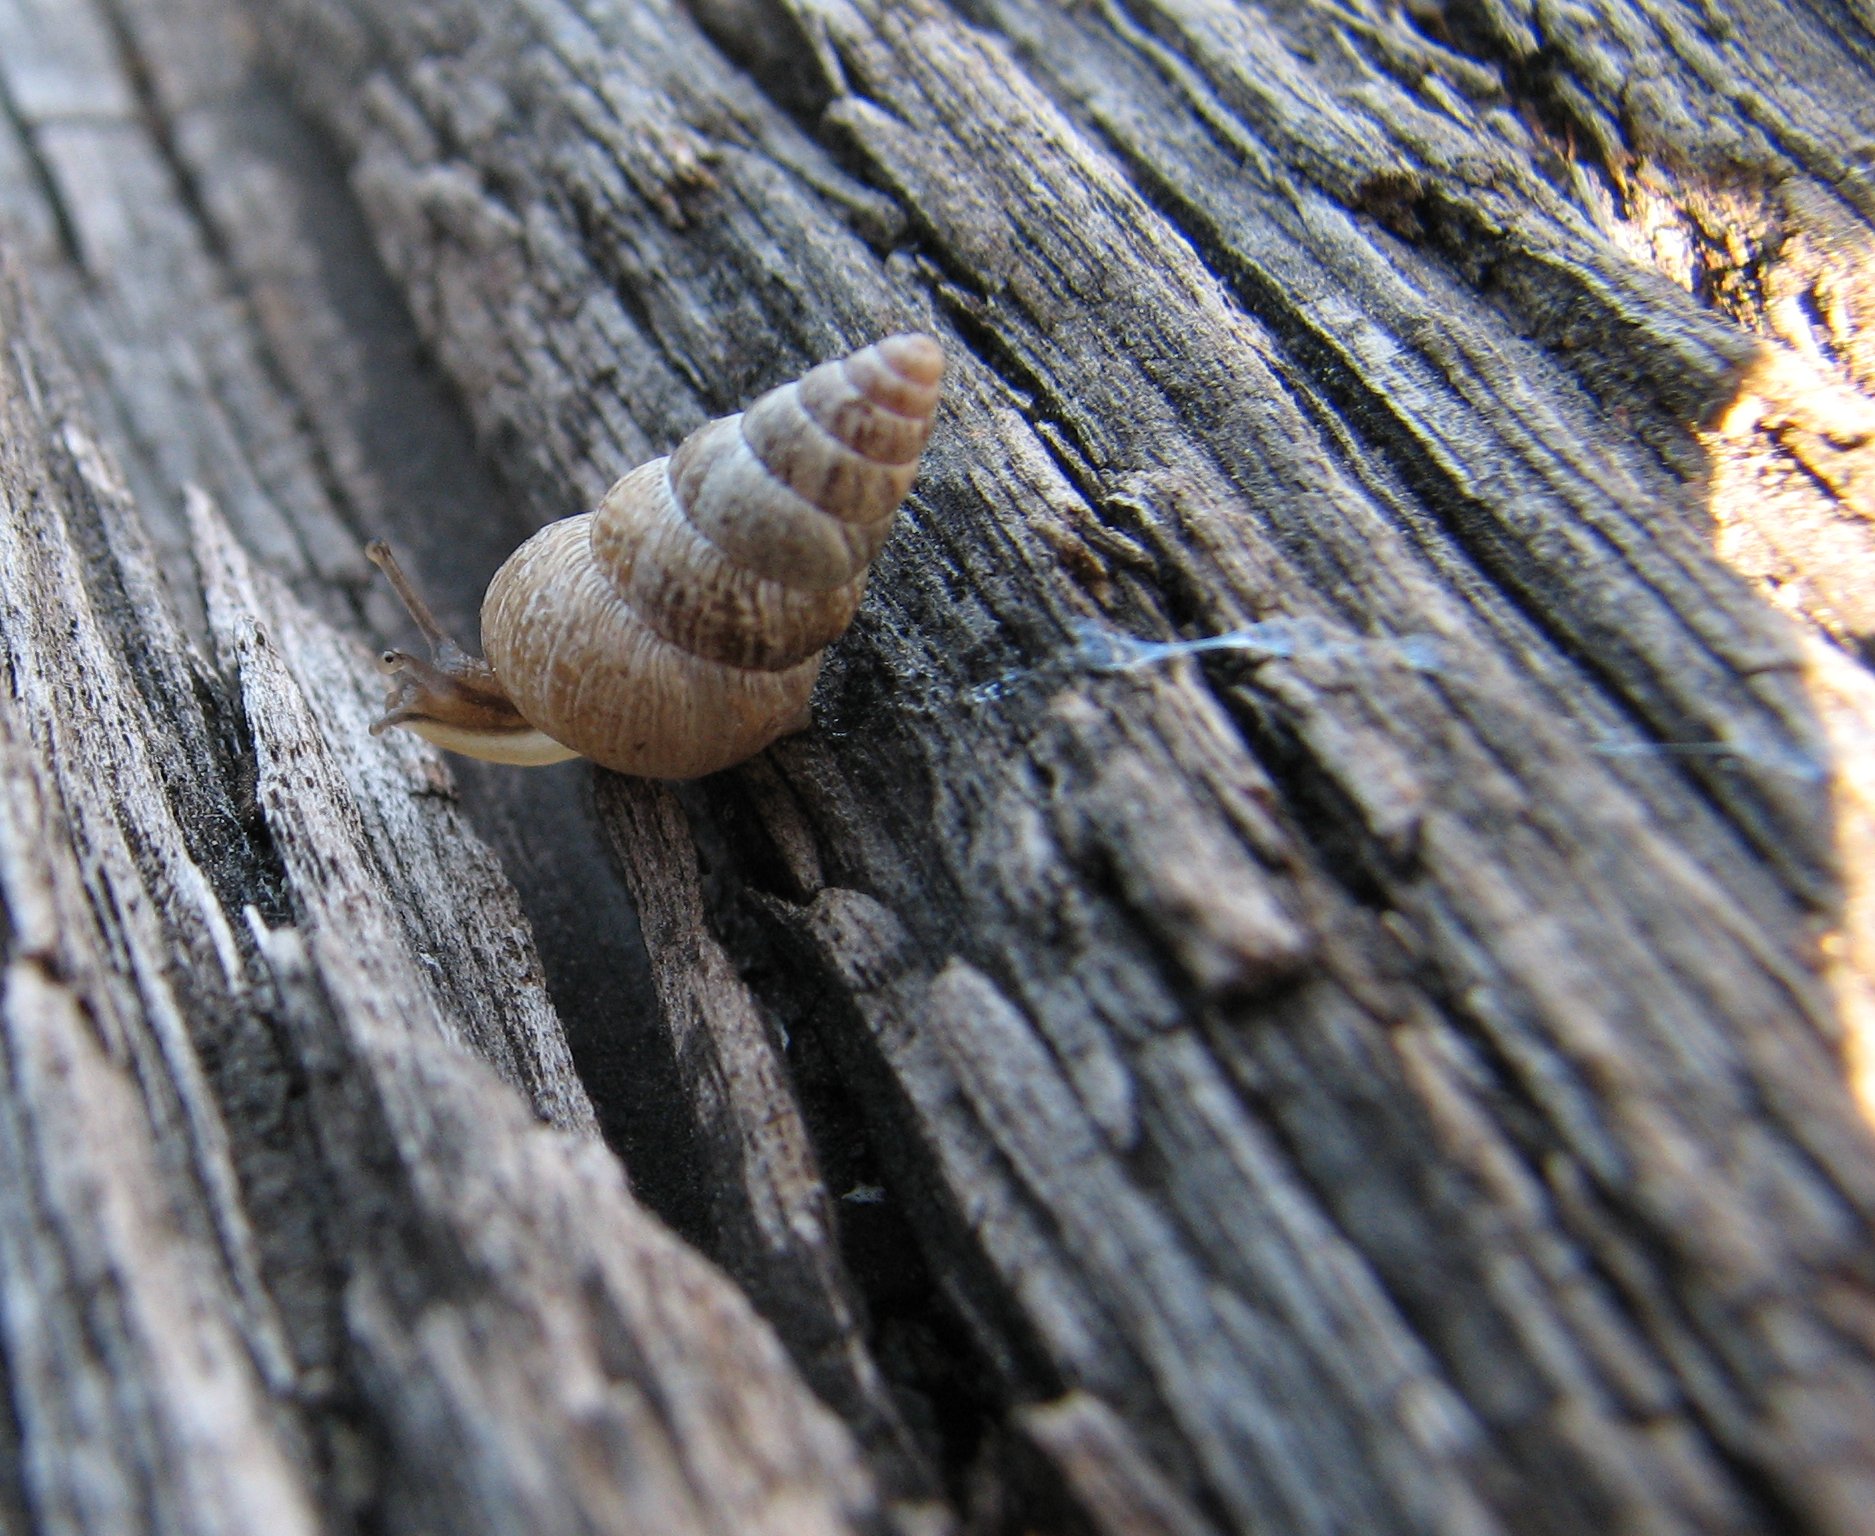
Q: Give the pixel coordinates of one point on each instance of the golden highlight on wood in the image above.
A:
(678, 629)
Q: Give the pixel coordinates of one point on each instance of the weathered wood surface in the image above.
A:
(1397, 1071)
(282, 1252)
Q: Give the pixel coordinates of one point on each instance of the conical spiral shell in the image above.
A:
(679, 628)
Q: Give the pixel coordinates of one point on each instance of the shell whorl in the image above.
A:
(678, 629)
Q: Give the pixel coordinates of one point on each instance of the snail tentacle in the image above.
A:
(454, 699)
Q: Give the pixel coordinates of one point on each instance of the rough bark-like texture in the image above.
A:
(282, 1252)
(1313, 972)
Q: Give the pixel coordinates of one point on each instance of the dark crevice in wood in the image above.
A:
(960, 1347)
(71, 248)
(1770, 1505)
(594, 962)
(646, 1112)
(204, 754)
(15, 1506)
(952, 1393)
(939, 1380)
(769, 40)
(763, 1207)
(952, 1345)
(257, 877)
(586, 945)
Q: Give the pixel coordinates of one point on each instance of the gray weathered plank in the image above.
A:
(1337, 985)
(1394, 1065)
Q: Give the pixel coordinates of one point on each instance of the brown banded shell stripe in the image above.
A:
(833, 398)
(733, 499)
(688, 591)
(804, 456)
(878, 372)
(586, 670)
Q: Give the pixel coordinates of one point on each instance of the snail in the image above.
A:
(678, 628)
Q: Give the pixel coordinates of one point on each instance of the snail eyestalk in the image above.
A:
(454, 699)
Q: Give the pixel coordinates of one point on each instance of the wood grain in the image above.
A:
(1314, 971)
(300, 1179)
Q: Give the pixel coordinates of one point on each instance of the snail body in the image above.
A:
(678, 629)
